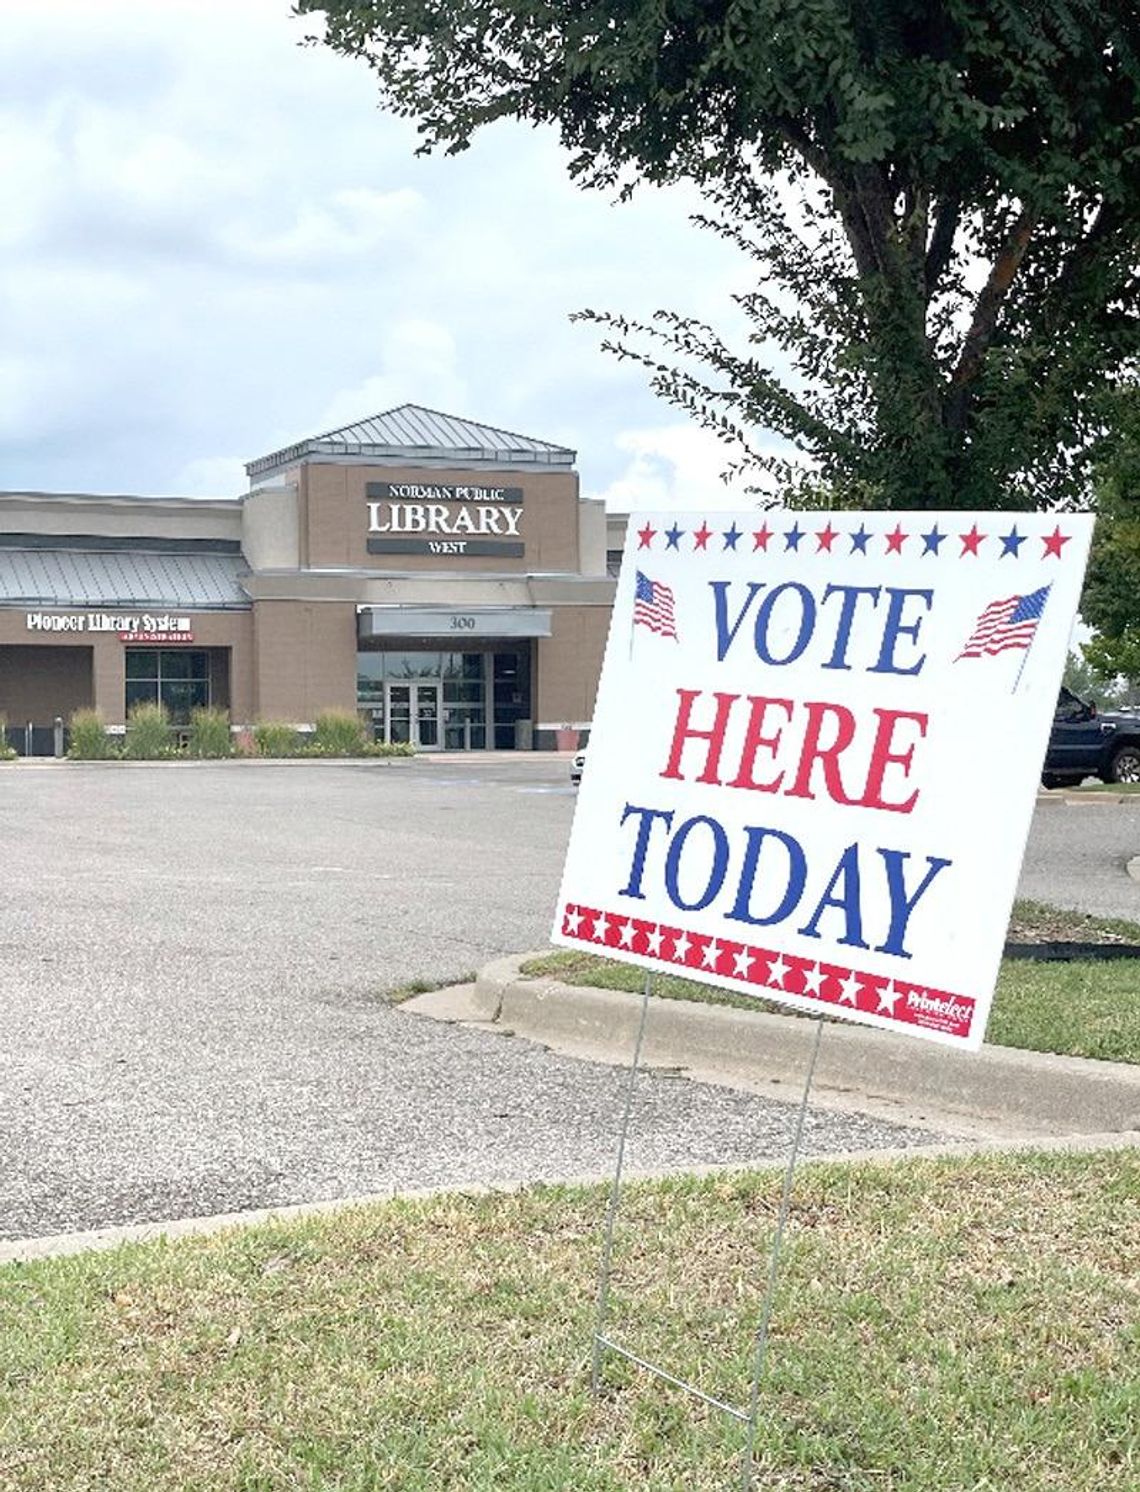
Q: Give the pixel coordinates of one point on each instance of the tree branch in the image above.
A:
(915, 226)
(946, 219)
(856, 227)
(981, 334)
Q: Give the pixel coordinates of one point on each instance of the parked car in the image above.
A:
(577, 762)
(1087, 742)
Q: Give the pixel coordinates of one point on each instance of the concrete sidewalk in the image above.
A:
(997, 1093)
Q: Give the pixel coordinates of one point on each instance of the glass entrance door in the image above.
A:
(413, 715)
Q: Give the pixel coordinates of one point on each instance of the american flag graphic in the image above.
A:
(653, 606)
(1005, 624)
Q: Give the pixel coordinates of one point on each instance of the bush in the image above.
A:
(149, 736)
(339, 733)
(210, 734)
(7, 754)
(89, 739)
(389, 748)
(271, 738)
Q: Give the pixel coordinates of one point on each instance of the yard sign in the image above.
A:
(815, 754)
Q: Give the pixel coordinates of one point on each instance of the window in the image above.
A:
(178, 678)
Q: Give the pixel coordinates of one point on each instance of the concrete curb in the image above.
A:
(62, 1245)
(997, 1091)
(1076, 798)
(227, 762)
(422, 758)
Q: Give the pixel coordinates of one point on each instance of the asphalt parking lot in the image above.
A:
(194, 959)
(1078, 854)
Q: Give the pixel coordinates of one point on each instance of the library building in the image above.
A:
(442, 577)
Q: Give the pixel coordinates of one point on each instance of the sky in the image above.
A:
(215, 243)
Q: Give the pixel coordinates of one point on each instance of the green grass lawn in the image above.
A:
(944, 1325)
(1082, 1009)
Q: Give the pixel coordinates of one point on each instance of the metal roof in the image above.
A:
(411, 432)
(79, 577)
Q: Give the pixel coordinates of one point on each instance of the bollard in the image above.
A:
(28, 739)
(58, 735)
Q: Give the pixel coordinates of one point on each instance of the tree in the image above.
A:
(1089, 683)
(942, 199)
(1110, 603)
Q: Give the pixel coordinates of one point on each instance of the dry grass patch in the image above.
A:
(951, 1325)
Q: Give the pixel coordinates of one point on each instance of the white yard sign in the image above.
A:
(815, 754)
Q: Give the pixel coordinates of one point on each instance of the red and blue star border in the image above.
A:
(812, 540)
(766, 973)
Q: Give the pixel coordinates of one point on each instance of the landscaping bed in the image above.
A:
(951, 1324)
(150, 735)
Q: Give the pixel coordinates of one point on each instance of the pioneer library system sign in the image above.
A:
(128, 626)
(431, 518)
(792, 789)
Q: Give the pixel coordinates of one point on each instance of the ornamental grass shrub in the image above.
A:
(89, 739)
(339, 733)
(272, 738)
(389, 748)
(210, 734)
(149, 735)
(7, 754)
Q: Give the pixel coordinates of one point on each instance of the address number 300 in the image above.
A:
(463, 624)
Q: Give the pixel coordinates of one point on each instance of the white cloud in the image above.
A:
(419, 366)
(29, 165)
(674, 466)
(213, 476)
(347, 224)
(156, 171)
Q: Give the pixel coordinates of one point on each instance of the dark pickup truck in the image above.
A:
(1085, 742)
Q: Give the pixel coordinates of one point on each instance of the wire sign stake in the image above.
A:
(604, 1343)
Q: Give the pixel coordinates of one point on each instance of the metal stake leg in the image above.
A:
(773, 1270)
(615, 1193)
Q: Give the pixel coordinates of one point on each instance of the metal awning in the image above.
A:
(455, 623)
(122, 577)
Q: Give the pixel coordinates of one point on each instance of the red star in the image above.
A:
(896, 539)
(826, 537)
(701, 535)
(760, 538)
(1054, 541)
(971, 541)
(646, 536)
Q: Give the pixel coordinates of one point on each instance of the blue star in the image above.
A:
(859, 540)
(931, 541)
(731, 535)
(1011, 542)
(792, 537)
(673, 537)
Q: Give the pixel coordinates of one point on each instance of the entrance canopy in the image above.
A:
(453, 622)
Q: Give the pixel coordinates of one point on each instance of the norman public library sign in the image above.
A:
(129, 627)
(432, 518)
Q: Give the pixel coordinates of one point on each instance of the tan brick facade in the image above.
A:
(305, 659)
(569, 664)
